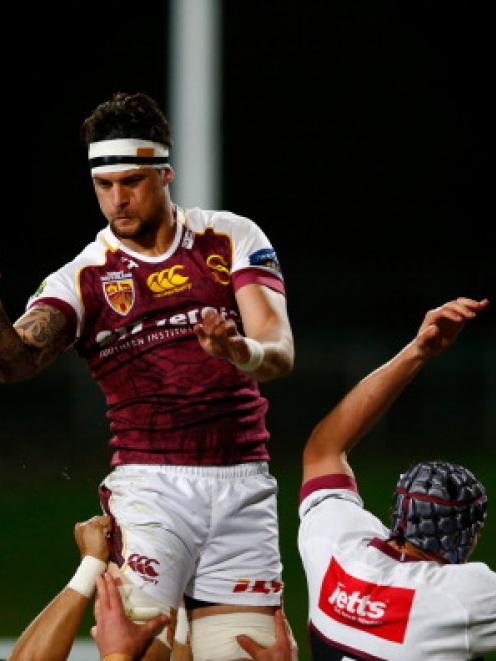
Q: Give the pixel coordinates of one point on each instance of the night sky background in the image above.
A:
(359, 136)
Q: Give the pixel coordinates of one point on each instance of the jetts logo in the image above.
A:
(380, 610)
(118, 288)
(169, 281)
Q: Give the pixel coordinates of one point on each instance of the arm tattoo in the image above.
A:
(41, 327)
(35, 340)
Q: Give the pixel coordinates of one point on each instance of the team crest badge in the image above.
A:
(118, 288)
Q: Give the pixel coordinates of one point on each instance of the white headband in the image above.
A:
(126, 154)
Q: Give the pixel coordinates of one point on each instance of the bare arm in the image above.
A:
(52, 633)
(330, 442)
(32, 343)
(265, 319)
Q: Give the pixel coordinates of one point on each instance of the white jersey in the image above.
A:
(368, 601)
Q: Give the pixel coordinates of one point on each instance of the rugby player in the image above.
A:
(178, 313)
(407, 592)
(51, 634)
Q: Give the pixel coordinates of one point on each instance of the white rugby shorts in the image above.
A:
(206, 531)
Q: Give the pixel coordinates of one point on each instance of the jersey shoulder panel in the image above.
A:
(471, 581)
(473, 584)
(63, 284)
(249, 244)
(337, 519)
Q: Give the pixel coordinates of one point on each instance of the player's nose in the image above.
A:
(119, 196)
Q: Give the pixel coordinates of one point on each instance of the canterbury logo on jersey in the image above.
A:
(118, 288)
(219, 269)
(380, 610)
(168, 281)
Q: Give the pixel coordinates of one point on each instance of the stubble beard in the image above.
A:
(140, 230)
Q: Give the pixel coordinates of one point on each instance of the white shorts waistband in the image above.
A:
(248, 469)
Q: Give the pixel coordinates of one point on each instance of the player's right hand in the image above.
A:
(91, 537)
(284, 649)
(442, 325)
(219, 337)
(113, 631)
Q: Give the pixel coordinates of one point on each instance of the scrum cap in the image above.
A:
(439, 507)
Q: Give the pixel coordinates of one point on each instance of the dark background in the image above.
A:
(360, 137)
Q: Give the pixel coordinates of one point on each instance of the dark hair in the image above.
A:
(127, 116)
(439, 507)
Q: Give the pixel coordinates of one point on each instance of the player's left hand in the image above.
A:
(113, 631)
(284, 649)
(219, 337)
(91, 537)
(442, 325)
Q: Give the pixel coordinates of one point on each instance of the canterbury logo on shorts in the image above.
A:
(380, 610)
(142, 565)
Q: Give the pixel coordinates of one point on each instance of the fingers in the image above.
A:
(215, 325)
(281, 626)
(103, 601)
(154, 627)
(442, 325)
(457, 311)
(249, 645)
(104, 522)
(461, 308)
(114, 598)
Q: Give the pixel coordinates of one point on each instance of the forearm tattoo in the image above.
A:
(35, 340)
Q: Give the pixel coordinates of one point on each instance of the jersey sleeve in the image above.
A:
(60, 291)
(332, 510)
(482, 609)
(254, 260)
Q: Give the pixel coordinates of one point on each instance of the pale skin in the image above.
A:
(327, 449)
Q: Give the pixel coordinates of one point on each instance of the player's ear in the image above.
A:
(168, 175)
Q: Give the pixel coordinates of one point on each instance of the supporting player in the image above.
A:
(51, 635)
(406, 592)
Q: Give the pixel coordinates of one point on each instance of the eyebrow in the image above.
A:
(102, 180)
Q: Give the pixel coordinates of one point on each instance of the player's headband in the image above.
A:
(126, 154)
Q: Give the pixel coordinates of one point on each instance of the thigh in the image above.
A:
(241, 563)
(154, 547)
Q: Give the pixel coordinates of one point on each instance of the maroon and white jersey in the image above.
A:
(133, 316)
(368, 601)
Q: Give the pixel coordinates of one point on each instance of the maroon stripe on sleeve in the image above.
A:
(337, 481)
(60, 305)
(250, 276)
